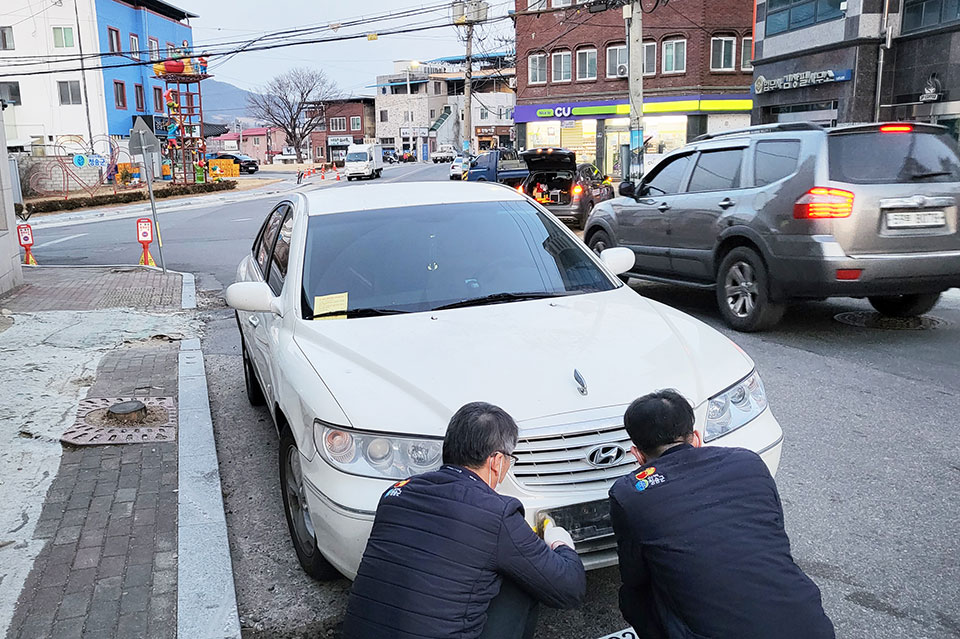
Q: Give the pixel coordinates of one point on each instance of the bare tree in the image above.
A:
(293, 101)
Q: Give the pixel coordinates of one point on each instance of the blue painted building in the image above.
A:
(137, 30)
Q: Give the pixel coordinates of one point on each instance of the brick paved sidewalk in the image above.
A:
(107, 532)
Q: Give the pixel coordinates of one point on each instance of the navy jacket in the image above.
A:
(703, 552)
(439, 546)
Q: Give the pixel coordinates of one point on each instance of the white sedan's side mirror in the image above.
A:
(618, 259)
(255, 297)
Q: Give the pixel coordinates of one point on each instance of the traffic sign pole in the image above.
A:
(148, 170)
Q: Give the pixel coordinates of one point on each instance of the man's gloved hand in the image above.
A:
(554, 536)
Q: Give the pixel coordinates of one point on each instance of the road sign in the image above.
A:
(142, 139)
(26, 235)
(144, 230)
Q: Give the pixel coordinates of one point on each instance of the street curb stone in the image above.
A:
(188, 291)
(206, 598)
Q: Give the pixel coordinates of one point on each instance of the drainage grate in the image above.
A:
(872, 319)
(94, 428)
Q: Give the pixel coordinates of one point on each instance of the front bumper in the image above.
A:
(343, 510)
(806, 266)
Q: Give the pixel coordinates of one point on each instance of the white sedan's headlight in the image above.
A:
(735, 407)
(378, 455)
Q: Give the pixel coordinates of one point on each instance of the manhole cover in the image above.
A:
(872, 319)
(93, 427)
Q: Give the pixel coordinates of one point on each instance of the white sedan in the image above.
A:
(368, 315)
(456, 169)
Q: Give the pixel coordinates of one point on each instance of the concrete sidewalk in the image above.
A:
(92, 540)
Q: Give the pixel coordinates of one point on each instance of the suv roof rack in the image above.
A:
(762, 128)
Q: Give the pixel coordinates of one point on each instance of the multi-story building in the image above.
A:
(572, 75)
(87, 102)
(263, 143)
(346, 121)
(10, 273)
(421, 105)
(820, 60)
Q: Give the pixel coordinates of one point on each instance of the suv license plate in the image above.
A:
(915, 219)
(626, 633)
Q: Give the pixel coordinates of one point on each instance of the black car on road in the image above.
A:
(247, 164)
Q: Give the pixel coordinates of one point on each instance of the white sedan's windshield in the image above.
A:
(423, 258)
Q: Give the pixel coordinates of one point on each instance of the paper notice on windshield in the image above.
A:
(327, 307)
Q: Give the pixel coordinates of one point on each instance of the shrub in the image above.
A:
(125, 197)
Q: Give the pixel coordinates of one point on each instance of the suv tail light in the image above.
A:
(821, 202)
(577, 190)
(896, 128)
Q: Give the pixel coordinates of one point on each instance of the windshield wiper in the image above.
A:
(929, 174)
(497, 298)
(360, 312)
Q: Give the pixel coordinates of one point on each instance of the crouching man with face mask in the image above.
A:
(450, 558)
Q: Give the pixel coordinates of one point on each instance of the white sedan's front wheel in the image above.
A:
(254, 391)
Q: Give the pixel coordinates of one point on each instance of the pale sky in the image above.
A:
(352, 64)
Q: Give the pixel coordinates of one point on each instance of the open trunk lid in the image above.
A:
(905, 181)
(550, 159)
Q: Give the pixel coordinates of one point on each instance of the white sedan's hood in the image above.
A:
(410, 373)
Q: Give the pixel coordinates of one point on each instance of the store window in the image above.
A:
(561, 66)
(746, 55)
(787, 15)
(587, 64)
(923, 14)
(649, 58)
(537, 68)
(674, 56)
(63, 37)
(722, 54)
(579, 136)
(616, 55)
(69, 92)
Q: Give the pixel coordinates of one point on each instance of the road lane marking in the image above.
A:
(62, 239)
(243, 219)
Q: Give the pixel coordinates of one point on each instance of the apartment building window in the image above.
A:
(746, 54)
(338, 124)
(355, 123)
(113, 38)
(923, 14)
(787, 15)
(484, 114)
(723, 54)
(437, 88)
(537, 68)
(10, 92)
(674, 56)
(119, 94)
(587, 64)
(256, 141)
(158, 99)
(154, 45)
(649, 58)
(69, 92)
(63, 37)
(134, 46)
(383, 115)
(562, 3)
(536, 5)
(616, 55)
(433, 113)
(6, 38)
(138, 97)
(561, 66)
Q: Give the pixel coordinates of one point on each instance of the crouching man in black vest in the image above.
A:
(449, 558)
(703, 551)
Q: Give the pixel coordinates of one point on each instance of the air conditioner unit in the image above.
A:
(512, 83)
(622, 70)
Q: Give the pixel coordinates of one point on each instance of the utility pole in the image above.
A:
(467, 101)
(633, 16)
(83, 76)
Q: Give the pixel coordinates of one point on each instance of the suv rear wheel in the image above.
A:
(743, 292)
(904, 305)
(302, 533)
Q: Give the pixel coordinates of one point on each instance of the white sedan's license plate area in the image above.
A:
(626, 633)
(915, 219)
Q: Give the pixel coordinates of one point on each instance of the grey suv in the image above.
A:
(772, 213)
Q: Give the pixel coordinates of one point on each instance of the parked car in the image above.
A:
(498, 165)
(567, 189)
(361, 355)
(245, 162)
(363, 161)
(774, 213)
(456, 169)
(444, 153)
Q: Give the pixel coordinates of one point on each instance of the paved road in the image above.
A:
(870, 476)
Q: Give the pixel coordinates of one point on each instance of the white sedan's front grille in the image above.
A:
(556, 463)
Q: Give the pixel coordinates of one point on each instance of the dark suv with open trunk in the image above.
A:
(771, 213)
(567, 189)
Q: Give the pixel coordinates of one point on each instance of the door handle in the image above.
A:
(726, 203)
(664, 207)
(254, 321)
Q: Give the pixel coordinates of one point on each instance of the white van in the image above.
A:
(363, 160)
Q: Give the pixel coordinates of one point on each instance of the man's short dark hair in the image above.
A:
(658, 419)
(477, 431)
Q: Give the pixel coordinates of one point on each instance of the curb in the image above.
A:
(188, 290)
(206, 598)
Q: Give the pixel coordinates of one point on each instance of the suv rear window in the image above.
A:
(875, 157)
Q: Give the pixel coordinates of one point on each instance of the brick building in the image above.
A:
(572, 87)
(348, 121)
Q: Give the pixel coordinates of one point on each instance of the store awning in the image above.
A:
(439, 121)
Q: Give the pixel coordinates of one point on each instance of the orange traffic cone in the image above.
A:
(338, 176)
(323, 173)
